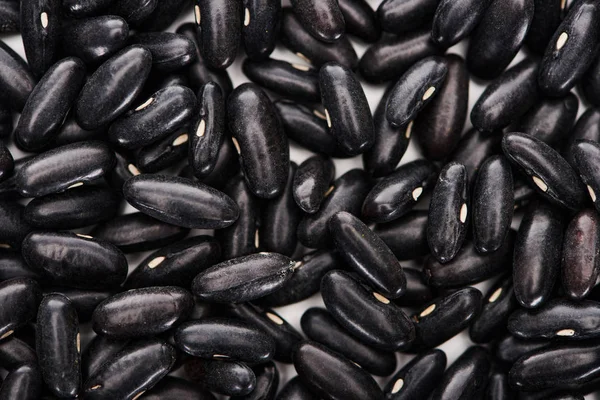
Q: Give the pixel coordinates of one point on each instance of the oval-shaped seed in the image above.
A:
(447, 30)
(311, 181)
(568, 54)
(406, 236)
(349, 190)
(84, 300)
(261, 27)
(549, 172)
(15, 352)
(360, 19)
(20, 297)
(100, 350)
(23, 383)
(349, 116)
(491, 50)
(177, 388)
(507, 98)
(563, 366)
(445, 317)
(40, 29)
(311, 49)
(142, 312)
(221, 24)
(367, 254)
(57, 345)
(133, 11)
(380, 324)
(323, 19)
(14, 226)
(551, 119)
(244, 278)
(396, 194)
(16, 79)
(132, 371)
(493, 204)
(546, 19)
(586, 155)
(400, 16)
(229, 378)
(319, 326)
(331, 375)
(265, 156)
(448, 212)
(170, 51)
(75, 208)
(509, 349)
(417, 378)
(225, 338)
(466, 377)
(498, 304)
(537, 254)
(106, 95)
(473, 149)
(392, 55)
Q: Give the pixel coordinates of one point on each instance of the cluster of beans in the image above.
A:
(113, 110)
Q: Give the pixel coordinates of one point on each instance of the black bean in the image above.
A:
(323, 19)
(320, 326)
(170, 51)
(331, 375)
(498, 37)
(244, 278)
(312, 180)
(264, 157)
(551, 119)
(537, 254)
(294, 389)
(261, 27)
(130, 372)
(24, 383)
(71, 132)
(312, 50)
(225, 377)
(396, 194)
(400, 16)
(164, 14)
(418, 378)
(171, 387)
(509, 349)
(99, 350)
(345, 194)
(15, 352)
(507, 98)
(267, 382)
(163, 153)
(586, 128)
(20, 297)
(406, 236)
(221, 25)
(417, 291)
(551, 174)
(6, 118)
(40, 30)
(360, 19)
(107, 95)
(84, 8)
(14, 226)
(473, 149)
(546, 19)
(585, 155)
(16, 79)
(134, 11)
(498, 387)
(467, 377)
(367, 315)
(14, 266)
(75, 208)
(138, 232)
(523, 193)
(589, 85)
(84, 300)
(571, 50)
(95, 39)
(226, 167)
(455, 20)
(10, 19)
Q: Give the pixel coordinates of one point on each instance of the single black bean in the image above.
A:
(20, 297)
(229, 378)
(16, 79)
(311, 181)
(360, 19)
(15, 352)
(498, 387)
(547, 17)
(95, 39)
(379, 323)
(345, 194)
(99, 350)
(473, 149)
(10, 19)
(406, 236)
(221, 25)
(467, 377)
(130, 372)
(585, 155)
(170, 51)
(455, 20)
(491, 50)
(84, 300)
(571, 49)
(261, 27)
(14, 266)
(551, 119)
(509, 349)
(40, 29)
(133, 11)
(507, 98)
(537, 254)
(171, 387)
(163, 153)
(418, 378)
(400, 16)
(24, 383)
(396, 194)
(107, 95)
(323, 19)
(164, 14)
(14, 226)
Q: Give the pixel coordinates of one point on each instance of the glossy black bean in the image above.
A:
(473, 149)
(71, 132)
(492, 49)
(396, 194)
(84, 8)
(14, 266)
(16, 79)
(107, 95)
(551, 119)
(221, 24)
(130, 372)
(523, 193)
(360, 19)
(95, 39)
(509, 349)
(537, 254)
(585, 155)
(507, 98)
(498, 387)
(75, 208)
(415, 89)
(40, 29)
(322, 19)
(558, 367)
(498, 304)
(84, 300)
(418, 378)
(320, 327)
(20, 297)
(99, 350)
(448, 212)
(163, 153)
(261, 27)
(493, 204)
(466, 378)
(164, 14)
(14, 226)
(138, 232)
(400, 16)
(586, 128)
(267, 382)
(589, 85)
(133, 11)
(265, 157)
(294, 389)
(243, 279)
(571, 49)
(380, 324)
(447, 30)
(10, 19)
(15, 352)
(367, 254)
(170, 51)
(417, 291)
(311, 181)
(226, 166)
(312, 50)
(546, 19)
(438, 126)
(24, 383)
(6, 118)
(349, 190)
(406, 236)
(171, 387)
(225, 377)
(551, 174)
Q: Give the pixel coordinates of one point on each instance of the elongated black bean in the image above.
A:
(170, 51)
(467, 377)
(225, 377)
(585, 155)
(547, 17)
(323, 19)
(95, 39)
(84, 300)
(99, 350)
(360, 19)
(551, 119)
(400, 16)
(406, 236)
(311, 181)
(473, 149)
(261, 27)
(14, 266)
(417, 378)
(177, 388)
(221, 25)
(509, 349)
(40, 29)
(14, 226)
(16, 79)
(447, 30)
(24, 383)
(15, 352)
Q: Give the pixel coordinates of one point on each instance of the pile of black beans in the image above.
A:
(113, 108)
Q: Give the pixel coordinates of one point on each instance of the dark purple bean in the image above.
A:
(164, 14)
(171, 387)
(360, 19)
(455, 20)
(221, 25)
(466, 378)
(498, 387)
(510, 349)
(406, 236)
(311, 181)
(225, 377)
(10, 19)
(170, 51)
(15, 352)
(367, 315)
(586, 155)
(14, 266)
(546, 19)
(20, 297)
(418, 378)
(400, 16)
(473, 149)
(133, 11)
(491, 50)
(16, 79)
(14, 226)
(24, 383)
(551, 119)
(323, 19)
(99, 350)
(84, 300)
(261, 27)
(40, 29)
(396, 194)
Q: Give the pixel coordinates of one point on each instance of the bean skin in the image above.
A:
(498, 387)
(417, 378)
(21, 297)
(84, 300)
(473, 149)
(311, 181)
(229, 378)
(133, 11)
(10, 20)
(417, 291)
(14, 352)
(226, 166)
(14, 266)
(547, 17)
(170, 51)
(24, 383)
(509, 349)
(14, 227)
(40, 29)
(99, 350)
(164, 14)
(261, 27)
(16, 79)
(467, 377)
(6, 119)
(84, 8)
(296, 390)
(400, 16)
(406, 236)
(322, 19)
(360, 20)
(589, 85)
(177, 388)
(446, 31)
(164, 153)
(221, 27)
(585, 155)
